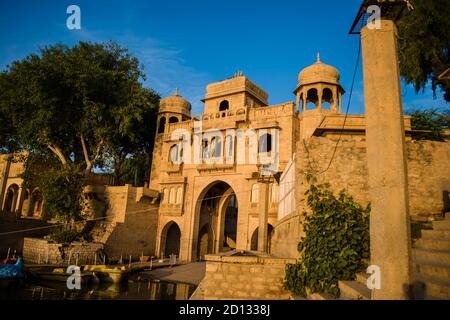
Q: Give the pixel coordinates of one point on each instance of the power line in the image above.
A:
(348, 107)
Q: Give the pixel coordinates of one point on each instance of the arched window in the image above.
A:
(327, 98)
(172, 196)
(173, 154)
(166, 195)
(36, 203)
(179, 195)
(224, 105)
(229, 146)
(205, 148)
(255, 193)
(216, 147)
(312, 99)
(265, 143)
(162, 124)
(173, 120)
(275, 193)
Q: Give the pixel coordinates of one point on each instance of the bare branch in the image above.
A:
(58, 152)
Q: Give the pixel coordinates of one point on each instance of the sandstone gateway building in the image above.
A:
(207, 167)
(206, 192)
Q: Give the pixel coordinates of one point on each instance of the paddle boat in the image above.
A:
(114, 274)
(11, 273)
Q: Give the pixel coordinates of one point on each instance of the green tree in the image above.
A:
(80, 105)
(430, 121)
(130, 154)
(424, 39)
(76, 102)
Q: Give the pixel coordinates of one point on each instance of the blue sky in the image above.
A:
(191, 43)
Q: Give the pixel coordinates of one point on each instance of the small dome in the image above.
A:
(175, 103)
(318, 72)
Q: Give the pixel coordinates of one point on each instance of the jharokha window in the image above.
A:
(175, 154)
(265, 143)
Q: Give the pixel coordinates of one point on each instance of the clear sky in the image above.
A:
(191, 43)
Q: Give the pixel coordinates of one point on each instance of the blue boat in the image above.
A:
(11, 273)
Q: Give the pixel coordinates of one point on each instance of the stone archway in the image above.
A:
(254, 238)
(35, 204)
(205, 243)
(11, 198)
(216, 220)
(170, 239)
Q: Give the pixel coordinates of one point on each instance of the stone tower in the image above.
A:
(172, 109)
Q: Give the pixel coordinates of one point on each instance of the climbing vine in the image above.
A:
(335, 244)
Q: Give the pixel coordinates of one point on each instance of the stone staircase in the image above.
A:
(350, 290)
(355, 290)
(431, 262)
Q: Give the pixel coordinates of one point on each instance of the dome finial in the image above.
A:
(176, 91)
(318, 57)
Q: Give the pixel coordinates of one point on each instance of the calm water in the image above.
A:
(135, 289)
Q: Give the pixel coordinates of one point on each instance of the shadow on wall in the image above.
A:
(446, 200)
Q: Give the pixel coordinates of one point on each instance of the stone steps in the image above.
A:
(427, 287)
(431, 256)
(354, 290)
(322, 296)
(441, 224)
(432, 269)
(433, 244)
(436, 234)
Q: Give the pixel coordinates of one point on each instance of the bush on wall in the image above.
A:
(335, 245)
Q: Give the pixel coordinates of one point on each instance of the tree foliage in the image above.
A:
(77, 103)
(424, 39)
(428, 120)
(335, 245)
(76, 108)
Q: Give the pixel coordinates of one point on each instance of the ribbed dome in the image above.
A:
(319, 72)
(175, 103)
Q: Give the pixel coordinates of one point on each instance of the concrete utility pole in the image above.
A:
(390, 240)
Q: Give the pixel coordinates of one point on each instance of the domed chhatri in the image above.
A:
(173, 109)
(319, 84)
(319, 72)
(174, 101)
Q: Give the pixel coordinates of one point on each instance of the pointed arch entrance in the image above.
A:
(254, 239)
(170, 239)
(216, 220)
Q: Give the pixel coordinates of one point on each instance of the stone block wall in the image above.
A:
(428, 178)
(243, 278)
(428, 171)
(41, 251)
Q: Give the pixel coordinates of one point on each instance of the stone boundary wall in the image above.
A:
(428, 178)
(240, 277)
(428, 172)
(41, 251)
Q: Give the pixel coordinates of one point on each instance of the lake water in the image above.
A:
(134, 289)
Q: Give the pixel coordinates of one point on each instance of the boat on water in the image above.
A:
(11, 273)
(57, 273)
(114, 274)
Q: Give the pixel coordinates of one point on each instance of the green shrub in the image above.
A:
(64, 235)
(335, 245)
